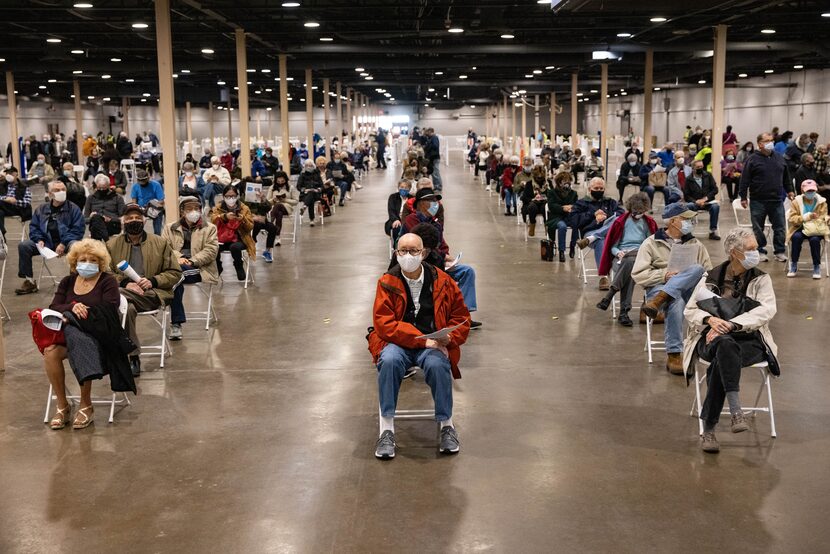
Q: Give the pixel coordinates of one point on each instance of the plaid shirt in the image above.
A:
(821, 163)
(27, 195)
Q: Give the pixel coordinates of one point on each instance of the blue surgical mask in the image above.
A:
(433, 208)
(769, 146)
(751, 259)
(810, 195)
(687, 227)
(87, 269)
(403, 192)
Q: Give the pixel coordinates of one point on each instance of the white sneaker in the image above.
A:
(764, 257)
(311, 224)
(487, 188)
(817, 272)
(781, 257)
(358, 187)
(792, 271)
(348, 196)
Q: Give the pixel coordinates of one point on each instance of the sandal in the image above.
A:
(61, 418)
(82, 419)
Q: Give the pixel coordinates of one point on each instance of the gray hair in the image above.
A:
(101, 178)
(187, 166)
(638, 203)
(597, 181)
(214, 160)
(57, 182)
(806, 156)
(736, 239)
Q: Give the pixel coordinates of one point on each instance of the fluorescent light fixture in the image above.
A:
(311, 24)
(364, 74)
(474, 68)
(623, 35)
(53, 40)
(106, 76)
(579, 94)
(455, 30)
(146, 94)
(268, 109)
(439, 73)
(250, 70)
(768, 31)
(658, 19)
(462, 76)
(140, 25)
(52, 81)
(207, 50)
(184, 71)
(472, 106)
(175, 75)
(82, 5)
(798, 67)
(522, 91)
(266, 70)
(220, 83)
(549, 67)
(359, 69)
(537, 71)
(269, 90)
(143, 99)
(369, 78)
(90, 98)
(326, 39)
(543, 1)
(593, 91)
(507, 36)
(430, 90)
(743, 75)
(825, 14)
(77, 72)
(257, 91)
(702, 82)
(528, 75)
(290, 4)
(623, 94)
(129, 80)
(768, 71)
(106, 99)
(603, 55)
(656, 88)
(76, 51)
(42, 87)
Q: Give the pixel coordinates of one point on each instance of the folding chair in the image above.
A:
(246, 261)
(128, 167)
(24, 230)
(544, 217)
(585, 271)
(746, 221)
(318, 210)
(294, 224)
(763, 369)
(159, 316)
(651, 344)
(44, 267)
(111, 401)
(426, 414)
(210, 313)
(4, 312)
(824, 247)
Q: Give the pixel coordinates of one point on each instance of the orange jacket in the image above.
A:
(390, 307)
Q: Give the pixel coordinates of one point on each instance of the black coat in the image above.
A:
(393, 208)
(104, 325)
(706, 189)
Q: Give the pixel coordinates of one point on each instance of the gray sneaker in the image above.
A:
(739, 423)
(781, 257)
(449, 441)
(385, 447)
(710, 443)
(175, 332)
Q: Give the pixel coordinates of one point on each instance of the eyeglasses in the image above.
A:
(411, 251)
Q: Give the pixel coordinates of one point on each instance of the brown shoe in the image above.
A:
(604, 283)
(27, 287)
(739, 423)
(583, 243)
(710, 443)
(674, 363)
(531, 230)
(652, 307)
(642, 317)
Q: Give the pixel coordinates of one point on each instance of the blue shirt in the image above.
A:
(143, 195)
(634, 233)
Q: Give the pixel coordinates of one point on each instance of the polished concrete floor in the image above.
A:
(258, 436)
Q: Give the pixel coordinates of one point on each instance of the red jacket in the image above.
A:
(614, 235)
(508, 176)
(390, 307)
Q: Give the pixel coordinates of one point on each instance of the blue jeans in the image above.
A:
(158, 223)
(670, 195)
(344, 188)
(392, 364)
(600, 234)
(774, 210)
(177, 315)
(713, 209)
(797, 240)
(26, 250)
(465, 277)
(561, 234)
(679, 288)
(437, 184)
(509, 200)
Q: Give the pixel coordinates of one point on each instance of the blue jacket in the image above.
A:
(70, 224)
(666, 158)
(258, 169)
(143, 195)
(582, 215)
(765, 178)
(200, 187)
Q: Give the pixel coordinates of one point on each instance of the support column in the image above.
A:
(552, 134)
(349, 110)
(189, 123)
(15, 161)
(79, 123)
(244, 125)
(504, 119)
(514, 144)
(536, 126)
(258, 136)
(210, 129)
(574, 108)
(326, 106)
(523, 147)
(284, 147)
(718, 97)
(648, 91)
(167, 107)
(339, 128)
(125, 116)
(309, 113)
(270, 137)
(230, 123)
(603, 114)
(487, 121)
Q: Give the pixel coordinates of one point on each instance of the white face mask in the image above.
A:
(769, 146)
(408, 262)
(10, 178)
(751, 259)
(59, 196)
(231, 202)
(193, 216)
(188, 174)
(215, 166)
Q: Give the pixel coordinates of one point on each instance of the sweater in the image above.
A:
(764, 177)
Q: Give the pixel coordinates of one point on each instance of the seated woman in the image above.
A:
(260, 209)
(281, 192)
(117, 178)
(310, 187)
(620, 249)
(234, 224)
(730, 345)
(561, 200)
(394, 206)
(533, 197)
(807, 221)
(103, 210)
(85, 286)
(191, 183)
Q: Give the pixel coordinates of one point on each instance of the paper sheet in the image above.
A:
(445, 332)
(453, 263)
(46, 252)
(682, 256)
(705, 294)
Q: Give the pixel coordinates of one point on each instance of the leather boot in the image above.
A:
(674, 363)
(532, 230)
(652, 307)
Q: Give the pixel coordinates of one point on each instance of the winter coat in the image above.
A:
(795, 216)
(653, 258)
(582, 216)
(219, 217)
(707, 188)
(111, 205)
(204, 247)
(390, 307)
(557, 199)
(161, 267)
(70, 224)
(615, 233)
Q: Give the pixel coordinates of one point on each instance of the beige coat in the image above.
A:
(653, 258)
(759, 289)
(204, 246)
(160, 266)
(796, 219)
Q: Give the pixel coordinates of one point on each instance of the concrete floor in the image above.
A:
(258, 436)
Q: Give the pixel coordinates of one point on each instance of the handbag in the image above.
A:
(45, 334)
(658, 180)
(815, 228)
(226, 232)
(546, 250)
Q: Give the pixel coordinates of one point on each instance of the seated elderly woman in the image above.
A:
(190, 182)
(807, 220)
(103, 209)
(234, 223)
(534, 195)
(310, 187)
(86, 288)
(561, 200)
(730, 344)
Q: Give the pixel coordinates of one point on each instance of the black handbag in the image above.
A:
(547, 250)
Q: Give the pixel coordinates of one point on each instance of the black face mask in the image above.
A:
(144, 183)
(134, 227)
(597, 194)
(699, 171)
(100, 192)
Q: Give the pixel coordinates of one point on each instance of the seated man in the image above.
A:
(700, 193)
(205, 160)
(215, 178)
(620, 250)
(409, 206)
(149, 195)
(75, 190)
(669, 289)
(310, 187)
(195, 246)
(734, 344)
(41, 173)
(338, 172)
(55, 225)
(591, 217)
(151, 257)
(15, 198)
(678, 176)
(414, 299)
(103, 210)
(629, 174)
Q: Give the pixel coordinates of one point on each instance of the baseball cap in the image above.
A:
(185, 199)
(133, 207)
(142, 175)
(678, 209)
(426, 194)
(808, 184)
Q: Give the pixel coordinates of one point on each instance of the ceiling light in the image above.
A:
(268, 109)
(550, 67)
(543, 1)
(106, 99)
(269, 90)
(90, 98)
(507, 36)
(311, 24)
(623, 35)
(523, 91)
(537, 71)
(472, 106)
(251, 70)
(207, 50)
(52, 81)
(326, 39)
(656, 88)
(143, 99)
(106, 76)
(594, 91)
(248, 83)
(825, 14)
(359, 69)
(76, 52)
(430, 90)
(369, 78)
(426, 105)
(579, 94)
(116, 60)
(798, 67)
(220, 83)
(462, 76)
(474, 68)
(129, 80)
(290, 4)
(768, 71)
(145, 94)
(53, 40)
(289, 78)
(265, 70)
(455, 30)
(77, 72)
(768, 31)
(623, 94)
(742, 75)
(528, 75)
(657, 19)
(82, 5)
(140, 25)
(702, 82)
(42, 87)
(257, 91)
(518, 104)
(364, 74)
(175, 75)
(439, 72)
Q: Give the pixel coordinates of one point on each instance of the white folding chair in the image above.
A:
(128, 167)
(246, 261)
(318, 211)
(743, 218)
(24, 230)
(763, 369)
(4, 312)
(44, 268)
(208, 314)
(426, 414)
(112, 401)
(584, 270)
(159, 317)
(803, 258)
(651, 344)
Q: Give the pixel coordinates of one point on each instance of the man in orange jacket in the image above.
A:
(415, 299)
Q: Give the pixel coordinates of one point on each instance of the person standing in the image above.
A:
(381, 141)
(432, 151)
(765, 180)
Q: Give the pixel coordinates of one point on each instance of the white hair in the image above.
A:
(214, 160)
(736, 239)
(102, 179)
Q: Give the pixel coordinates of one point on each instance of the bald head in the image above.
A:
(410, 241)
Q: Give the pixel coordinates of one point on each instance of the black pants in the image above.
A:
(727, 354)
(277, 213)
(103, 230)
(382, 157)
(236, 249)
(309, 199)
(731, 187)
(269, 228)
(7, 209)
